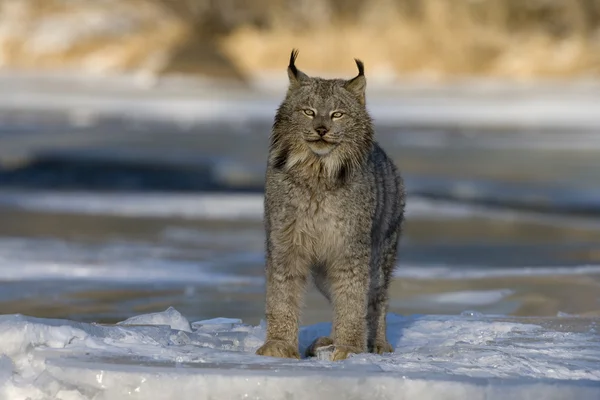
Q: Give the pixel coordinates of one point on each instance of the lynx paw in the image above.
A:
(322, 341)
(278, 348)
(382, 347)
(342, 352)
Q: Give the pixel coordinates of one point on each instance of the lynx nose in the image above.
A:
(321, 130)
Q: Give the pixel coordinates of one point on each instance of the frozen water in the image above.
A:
(237, 207)
(139, 204)
(162, 355)
(538, 106)
(124, 262)
(134, 262)
(470, 297)
(474, 272)
(171, 318)
(167, 262)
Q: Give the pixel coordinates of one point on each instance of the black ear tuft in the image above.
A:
(292, 65)
(358, 84)
(296, 76)
(360, 65)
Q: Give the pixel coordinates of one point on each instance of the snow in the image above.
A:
(470, 297)
(120, 262)
(158, 271)
(170, 318)
(130, 262)
(544, 105)
(162, 355)
(140, 204)
(235, 207)
(476, 272)
(178, 272)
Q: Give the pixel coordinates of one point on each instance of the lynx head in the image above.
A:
(322, 121)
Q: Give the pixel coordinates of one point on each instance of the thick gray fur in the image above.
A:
(334, 206)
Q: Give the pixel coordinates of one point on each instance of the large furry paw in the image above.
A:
(342, 352)
(382, 347)
(278, 348)
(322, 341)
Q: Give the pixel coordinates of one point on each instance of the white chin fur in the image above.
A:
(321, 150)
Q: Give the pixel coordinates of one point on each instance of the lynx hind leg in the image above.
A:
(378, 299)
(318, 343)
(349, 282)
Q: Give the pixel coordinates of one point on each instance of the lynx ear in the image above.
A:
(358, 85)
(296, 76)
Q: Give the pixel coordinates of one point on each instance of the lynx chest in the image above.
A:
(317, 224)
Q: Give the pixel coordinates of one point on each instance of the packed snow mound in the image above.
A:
(164, 356)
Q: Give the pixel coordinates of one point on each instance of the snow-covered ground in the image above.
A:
(235, 207)
(540, 105)
(150, 263)
(163, 356)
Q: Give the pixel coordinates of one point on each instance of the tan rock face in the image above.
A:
(90, 36)
(93, 36)
(230, 39)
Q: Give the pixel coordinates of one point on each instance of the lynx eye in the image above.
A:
(308, 112)
(337, 114)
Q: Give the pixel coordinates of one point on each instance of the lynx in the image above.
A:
(334, 207)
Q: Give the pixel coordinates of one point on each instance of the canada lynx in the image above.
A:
(334, 206)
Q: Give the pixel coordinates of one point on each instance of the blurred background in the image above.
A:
(134, 133)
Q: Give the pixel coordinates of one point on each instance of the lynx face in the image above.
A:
(322, 124)
(324, 115)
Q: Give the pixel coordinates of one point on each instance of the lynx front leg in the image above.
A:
(287, 275)
(349, 287)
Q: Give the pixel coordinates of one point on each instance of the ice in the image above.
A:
(240, 207)
(469, 297)
(161, 355)
(146, 263)
(164, 205)
(216, 323)
(419, 271)
(538, 106)
(124, 261)
(219, 321)
(171, 318)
